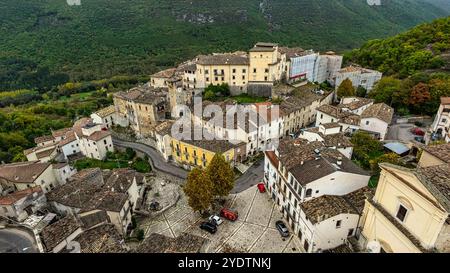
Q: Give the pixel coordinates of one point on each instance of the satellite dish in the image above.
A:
(373, 247)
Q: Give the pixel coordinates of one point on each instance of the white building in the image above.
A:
(20, 204)
(331, 136)
(94, 141)
(329, 221)
(359, 76)
(375, 118)
(299, 171)
(326, 67)
(160, 79)
(63, 171)
(23, 175)
(356, 105)
(106, 116)
(258, 129)
(91, 190)
(440, 129)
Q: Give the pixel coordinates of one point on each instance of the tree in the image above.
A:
(221, 175)
(198, 189)
(385, 90)
(209, 95)
(365, 148)
(420, 94)
(361, 91)
(346, 89)
(392, 158)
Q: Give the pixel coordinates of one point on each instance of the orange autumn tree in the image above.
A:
(420, 94)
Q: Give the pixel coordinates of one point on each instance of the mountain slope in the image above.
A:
(425, 48)
(102, 38)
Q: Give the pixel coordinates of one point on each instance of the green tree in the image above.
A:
(209, 95)
(365, 148)
(388, 158)
(221, 175)
(385, 90)
(346, 89)
(361, 92)
(198, 189)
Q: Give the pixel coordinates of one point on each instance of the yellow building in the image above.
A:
(409, 212)
(267, 64)
(435, 155)
(198, 153)
(230, 68)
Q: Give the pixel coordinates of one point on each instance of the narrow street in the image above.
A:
(250, 178)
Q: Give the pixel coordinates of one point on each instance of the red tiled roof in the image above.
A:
(16, 196)
(273, 158)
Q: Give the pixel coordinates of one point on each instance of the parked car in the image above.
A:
(261, 187)
(229, 214)
(211, 228)
(215, 220)
(282, 228)
(417, 131)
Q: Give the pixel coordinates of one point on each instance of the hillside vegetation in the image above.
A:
(417, 66)
(45, 43)
(425, 47)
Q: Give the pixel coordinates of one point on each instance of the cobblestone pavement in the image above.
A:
(254, 231)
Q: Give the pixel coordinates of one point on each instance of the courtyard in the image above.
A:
(253, 232)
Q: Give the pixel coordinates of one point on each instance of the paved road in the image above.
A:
(250, 178)
(16, 241)
(156, 160)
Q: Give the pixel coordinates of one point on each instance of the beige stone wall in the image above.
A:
(427, 160)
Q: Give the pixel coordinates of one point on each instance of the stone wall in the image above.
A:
(260, 90)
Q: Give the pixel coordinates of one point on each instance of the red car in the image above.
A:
(418, 132)
(261, 187)
(229, 214)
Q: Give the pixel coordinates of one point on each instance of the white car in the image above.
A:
(215, 219)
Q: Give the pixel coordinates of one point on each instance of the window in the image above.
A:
(206, 71)
(321, 116)
(308, 192)
(234, 70)
(306, 245)
(244, 70)
(266, 70)
(243, 77)
(401, 213)
(104, 141)
(350, 232)
(254, 70)
(444, 120)
(234, 77)
(265, 78)
(367, 122)
(338, 223)
(207, 79)
(216, 78)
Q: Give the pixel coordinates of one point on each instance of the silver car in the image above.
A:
(215, 220)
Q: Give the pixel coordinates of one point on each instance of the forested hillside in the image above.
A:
(44, 43)
(417, 63)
